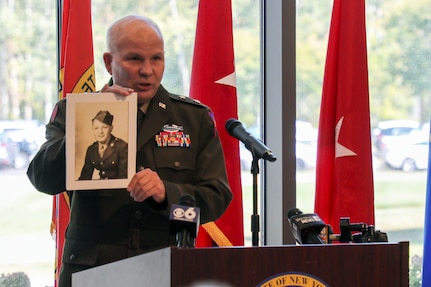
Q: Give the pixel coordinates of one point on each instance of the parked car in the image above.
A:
(26, 134)
(306, 155)
(25, 140)
(409, 157)
(9, 151)
(305, 132)
(396, 133)
(306, 145)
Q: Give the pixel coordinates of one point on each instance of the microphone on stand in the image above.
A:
(236, 129)
(185, 220)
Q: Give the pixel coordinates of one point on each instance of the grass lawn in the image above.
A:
(399, 200)
(25, 242)
(26, 245)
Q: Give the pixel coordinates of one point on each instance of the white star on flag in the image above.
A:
(341, 150)
(228, 80)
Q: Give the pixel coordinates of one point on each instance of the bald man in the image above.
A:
(178, 152)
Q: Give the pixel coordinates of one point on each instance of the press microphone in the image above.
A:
(236, 129)
(306, 228)
(185, 219)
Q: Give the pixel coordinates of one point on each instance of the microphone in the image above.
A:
(185, 219)
(306, 227)
(236, 129)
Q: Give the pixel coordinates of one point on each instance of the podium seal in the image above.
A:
(292, 279)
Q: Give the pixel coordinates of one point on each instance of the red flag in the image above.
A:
(77, 75)
(344, 173)
(213, 82)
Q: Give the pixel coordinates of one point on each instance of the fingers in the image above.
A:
(116, 89)
(146, 183)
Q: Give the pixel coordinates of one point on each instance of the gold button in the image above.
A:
(177, 164)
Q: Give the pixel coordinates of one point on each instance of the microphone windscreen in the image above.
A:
(231, 124)
(293, 212)
(187, 200)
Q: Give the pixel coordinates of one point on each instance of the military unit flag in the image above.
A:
(213, 82)
(77, 75)
(344, 173)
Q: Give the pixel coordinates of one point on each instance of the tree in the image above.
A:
(17, 279)
(407, 26)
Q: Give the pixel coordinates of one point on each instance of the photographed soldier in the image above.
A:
(106, 158)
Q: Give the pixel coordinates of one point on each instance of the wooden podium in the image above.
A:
(336, 265)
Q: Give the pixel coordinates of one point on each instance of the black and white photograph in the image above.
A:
(99, 144)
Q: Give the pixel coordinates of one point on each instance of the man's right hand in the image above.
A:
(116, 89)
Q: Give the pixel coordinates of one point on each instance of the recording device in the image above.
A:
(367, 233)
(306, 228)
(236, 129)
(185, 220)
(310, 229)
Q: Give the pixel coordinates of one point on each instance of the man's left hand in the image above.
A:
(147, 183)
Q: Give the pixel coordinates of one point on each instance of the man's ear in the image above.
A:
(107, 59)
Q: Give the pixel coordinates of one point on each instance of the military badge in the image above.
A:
(172, 136)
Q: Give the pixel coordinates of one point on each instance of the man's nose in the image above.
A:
(145, 68)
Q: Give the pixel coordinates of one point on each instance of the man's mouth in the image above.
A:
(143, 86)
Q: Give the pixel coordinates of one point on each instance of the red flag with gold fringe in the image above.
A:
(77, 75)
(213, 82)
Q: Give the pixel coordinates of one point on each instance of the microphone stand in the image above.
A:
(255, 227)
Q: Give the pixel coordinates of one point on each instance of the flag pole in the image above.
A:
(59, 4)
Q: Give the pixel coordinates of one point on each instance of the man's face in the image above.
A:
(137, 61)
(102, 131)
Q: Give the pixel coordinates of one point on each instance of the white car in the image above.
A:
(306, 155)
(306, 145)
(409, 157)
(396, 133)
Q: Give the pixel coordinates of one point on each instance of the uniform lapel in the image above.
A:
(157, 115)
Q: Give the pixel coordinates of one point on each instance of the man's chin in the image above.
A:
(145, 96)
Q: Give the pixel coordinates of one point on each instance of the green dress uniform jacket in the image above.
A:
(113, 163)
(108, 225)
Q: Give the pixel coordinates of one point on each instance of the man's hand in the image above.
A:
(116, 89)
(147, 183)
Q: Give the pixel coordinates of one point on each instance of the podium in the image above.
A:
(334, 265)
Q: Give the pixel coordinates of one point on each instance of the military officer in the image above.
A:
(178, 152)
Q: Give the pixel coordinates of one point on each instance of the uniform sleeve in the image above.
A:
(47, 170)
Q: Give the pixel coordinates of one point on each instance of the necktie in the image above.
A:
(101, 150)
(140, 119)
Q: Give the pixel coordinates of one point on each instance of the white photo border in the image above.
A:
(81, 108)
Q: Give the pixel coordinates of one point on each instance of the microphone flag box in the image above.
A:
(185, 217)
(185, 213)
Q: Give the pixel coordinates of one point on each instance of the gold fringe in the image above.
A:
(216, 234)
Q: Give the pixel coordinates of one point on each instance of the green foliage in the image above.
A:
(18, 279)
(177, 20)
(406, 27)
(399, 56)
(415, 278)
(28, 58)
